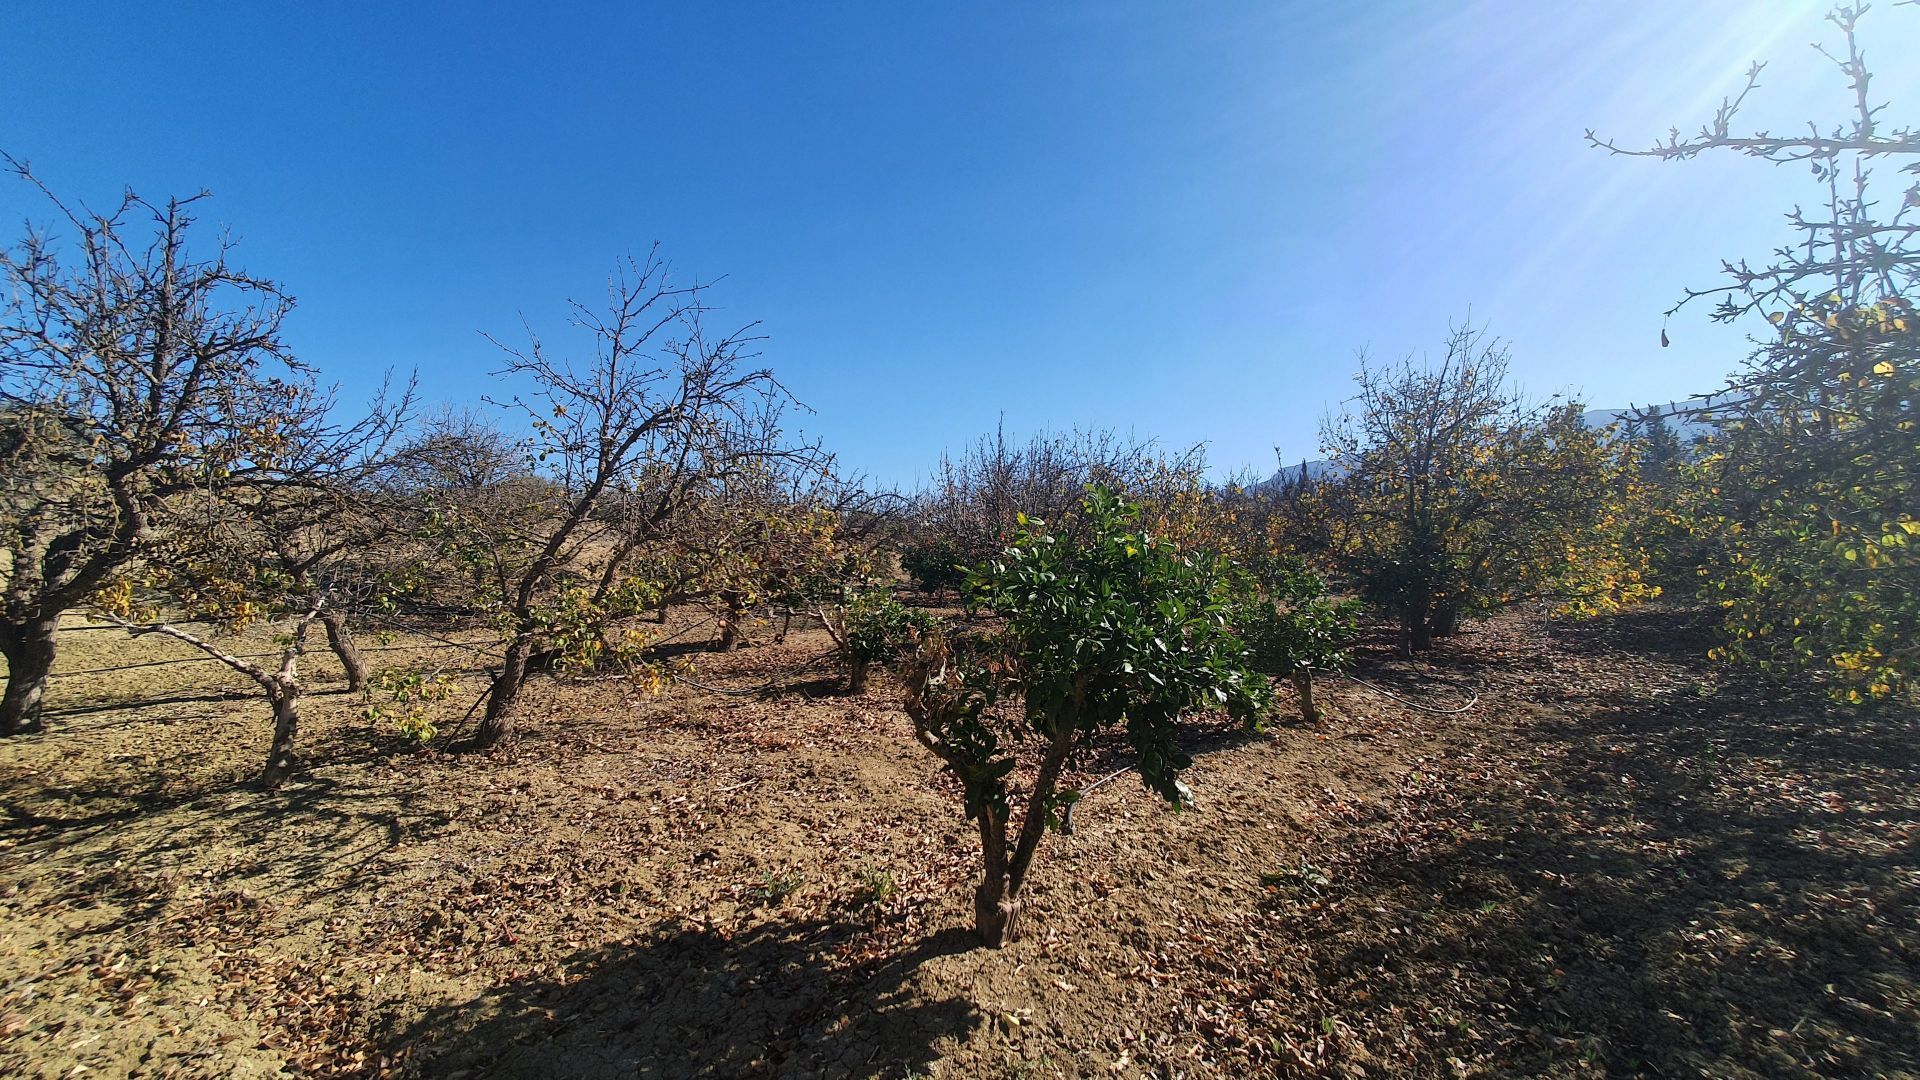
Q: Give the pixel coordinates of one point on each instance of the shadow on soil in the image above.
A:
(693, 1002)
(313, 827)
(1686, 882)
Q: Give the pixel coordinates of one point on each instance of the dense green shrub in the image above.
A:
(1118, 629)
(869, 626)
(1293, 625)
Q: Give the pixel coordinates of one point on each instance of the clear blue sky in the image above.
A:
(1176, 219)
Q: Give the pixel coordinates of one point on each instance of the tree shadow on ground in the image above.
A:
(1676, 633)
(769, 1001)
(1447, 674)
(824, 686)
(333, 825)
(112, 705)
(1685, 882)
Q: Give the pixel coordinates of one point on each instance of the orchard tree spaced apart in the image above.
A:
(623, 440)
(131, 370)
(301, 534)
(1117, 628)
(1292, 625)
(1452, 496)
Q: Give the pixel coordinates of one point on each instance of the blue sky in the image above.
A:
(1179, 220)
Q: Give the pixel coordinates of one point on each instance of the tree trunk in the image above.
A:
(29, 649)
(996, 904)
(1445, 620)
(730, 618)
(1303, 687)
(283, 689)
(1413, 620)
(286, 724)
(995, 912)
(340, 639)
(857, 675)
(786, 624)
(497, 723)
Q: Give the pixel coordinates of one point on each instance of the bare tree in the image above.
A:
(1801, 518)
(1865, 245)
(973, 507)
(129, 373)
(296, 538)
(640, 426)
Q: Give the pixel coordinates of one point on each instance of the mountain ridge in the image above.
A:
(1685, 418)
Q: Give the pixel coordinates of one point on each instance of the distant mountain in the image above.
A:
(1686, 419)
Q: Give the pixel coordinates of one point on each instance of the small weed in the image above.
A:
(774, 888)
(876, 887)
(405, 699)
(1305, 879)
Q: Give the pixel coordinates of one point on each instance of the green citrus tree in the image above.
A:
(1117, 629)
(1292, 623)
(869, 626)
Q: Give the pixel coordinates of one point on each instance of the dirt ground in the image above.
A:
(1615, 863)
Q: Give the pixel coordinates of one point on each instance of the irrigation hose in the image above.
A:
(1066, 819)
(1385, 693)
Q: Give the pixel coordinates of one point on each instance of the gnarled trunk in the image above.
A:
(732, 613)
(996, 903)
(286, 724)
(1415, 624)
(282, 687)
(340, 640)
(1303, 688)
(995, 911)
(498, 722)
(29, 648)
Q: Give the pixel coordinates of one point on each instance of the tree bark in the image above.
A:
(29, 649)
(995, 912)
(1414, 621)
(996, 903)
(1303, 687)
(1033, 826)
(1445, 620)
(857, 675)
(498, 722)
(730, 618)
(282, 687)
(340, 639)
(286, 725)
